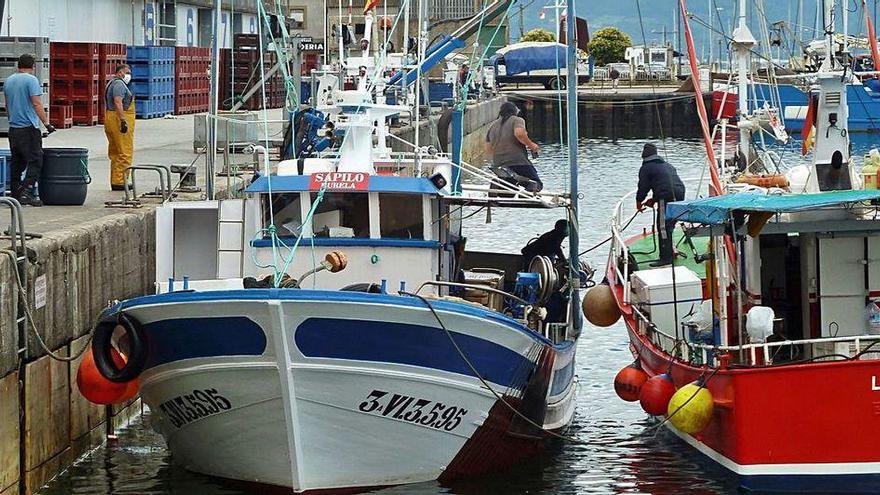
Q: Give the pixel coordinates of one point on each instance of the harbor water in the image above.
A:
(620, 449)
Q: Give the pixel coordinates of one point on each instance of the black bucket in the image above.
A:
(65, 177)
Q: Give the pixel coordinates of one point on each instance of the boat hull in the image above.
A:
(795, 428)
(332, 391)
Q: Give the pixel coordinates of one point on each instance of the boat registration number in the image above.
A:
(413, 410)
(186, 408)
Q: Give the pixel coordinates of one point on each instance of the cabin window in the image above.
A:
(287, 211)
(342, 215)
(401, 216)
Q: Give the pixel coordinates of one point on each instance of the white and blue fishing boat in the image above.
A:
(328, 330)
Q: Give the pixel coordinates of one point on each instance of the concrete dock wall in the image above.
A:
(45, 424)
(76, 272)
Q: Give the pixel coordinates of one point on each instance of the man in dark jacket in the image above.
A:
(549, 244)
(661, 179)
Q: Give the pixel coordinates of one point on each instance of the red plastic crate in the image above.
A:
(64, 91)
(61, 116)
(81, 51)
(113, 50)
(85, 112)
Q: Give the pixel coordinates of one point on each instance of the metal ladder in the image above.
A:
(230, 238)
(17, 233)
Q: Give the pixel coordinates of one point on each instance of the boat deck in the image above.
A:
(644, 251)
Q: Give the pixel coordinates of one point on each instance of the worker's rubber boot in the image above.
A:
(27, 198)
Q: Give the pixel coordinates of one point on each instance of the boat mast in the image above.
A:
(211, 120)
(743, 41)
(572, 108)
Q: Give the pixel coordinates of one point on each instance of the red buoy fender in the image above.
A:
(628, 382)
(656, 393)
(102, 349)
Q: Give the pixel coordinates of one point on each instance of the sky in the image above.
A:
(656, 14)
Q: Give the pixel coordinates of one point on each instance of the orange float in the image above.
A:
(766, 181)
(628, 382)
(93, 386)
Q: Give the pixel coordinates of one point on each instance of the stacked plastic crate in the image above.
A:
(192, 86)
(75, 78)
(110, 55)
(243, 71)
(10, 49)
(152, 80)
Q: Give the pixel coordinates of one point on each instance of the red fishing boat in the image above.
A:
(760, 347)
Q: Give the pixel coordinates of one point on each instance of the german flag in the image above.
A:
(808, 132)
(370, 5)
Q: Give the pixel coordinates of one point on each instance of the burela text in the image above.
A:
(874, 386)
(413, 410)
(185, 409)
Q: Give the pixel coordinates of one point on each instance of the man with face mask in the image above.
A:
(119, 125)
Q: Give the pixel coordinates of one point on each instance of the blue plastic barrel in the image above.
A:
(65, 176)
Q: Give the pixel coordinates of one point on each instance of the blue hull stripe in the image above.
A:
(328, 296)
(416, 345)
(186, 338)
(807, 483)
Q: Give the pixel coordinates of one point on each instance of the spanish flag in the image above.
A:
(808, 132)
(370, 5)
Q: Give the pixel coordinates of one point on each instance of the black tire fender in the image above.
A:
(102, 349)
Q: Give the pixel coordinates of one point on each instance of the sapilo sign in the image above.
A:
(340, 181)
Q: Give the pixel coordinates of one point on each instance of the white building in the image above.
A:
(138, 22)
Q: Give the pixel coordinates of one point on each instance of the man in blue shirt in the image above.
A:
(25, 108)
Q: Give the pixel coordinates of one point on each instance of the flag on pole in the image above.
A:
(370, 5)
(808, 132)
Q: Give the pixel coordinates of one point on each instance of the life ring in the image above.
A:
(102, 349)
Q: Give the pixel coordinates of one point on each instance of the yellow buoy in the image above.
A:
(690, 409)
(599, 306)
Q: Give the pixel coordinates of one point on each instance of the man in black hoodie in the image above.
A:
(661, 179)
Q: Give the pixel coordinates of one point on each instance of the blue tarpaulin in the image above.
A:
(717, 209)
(528, 56)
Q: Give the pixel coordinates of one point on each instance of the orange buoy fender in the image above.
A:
(92, 384)
(656, 393)
(628, 382)
(599, 306)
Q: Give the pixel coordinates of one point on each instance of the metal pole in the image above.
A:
(572, 108)
(211, 122)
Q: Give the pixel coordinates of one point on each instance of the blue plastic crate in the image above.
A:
(152, 88)
(150, 53)
(151, 70)
(5, 172)
(154, 107)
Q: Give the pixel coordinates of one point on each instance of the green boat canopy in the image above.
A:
(716, 210)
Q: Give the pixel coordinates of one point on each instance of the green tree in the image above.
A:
(608, 45)
(538, 35)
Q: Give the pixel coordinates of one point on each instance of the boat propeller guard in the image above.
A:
(102, 347)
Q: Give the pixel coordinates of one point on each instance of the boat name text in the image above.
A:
(346, 181)
(185, 409)
(414, 410)
(874, 386)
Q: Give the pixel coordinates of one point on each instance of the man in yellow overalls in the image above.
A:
(119, 125)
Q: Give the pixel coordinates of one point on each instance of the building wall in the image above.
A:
(120, 21)
(108, 21)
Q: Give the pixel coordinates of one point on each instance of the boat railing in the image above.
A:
(846, 348)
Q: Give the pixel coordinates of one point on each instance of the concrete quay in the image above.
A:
(84, 257)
